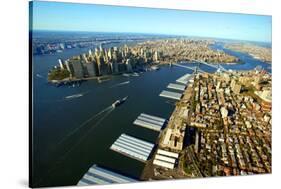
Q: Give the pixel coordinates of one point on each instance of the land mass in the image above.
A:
(257, 52)
(101, 61)
(220, 127)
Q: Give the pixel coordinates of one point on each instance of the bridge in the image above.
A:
(197, 68)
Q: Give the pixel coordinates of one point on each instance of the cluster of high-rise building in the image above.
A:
(114, 60)
(181, 49)
(101, 61)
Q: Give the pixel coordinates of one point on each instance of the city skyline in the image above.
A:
(90, 18)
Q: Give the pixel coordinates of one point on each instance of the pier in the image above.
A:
(151, 122)
(184, 79)
(172, 95)
(132, 147)
(176, 86)
(165, 159)
(98, 175)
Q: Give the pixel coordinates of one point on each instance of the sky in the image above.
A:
(101, 18)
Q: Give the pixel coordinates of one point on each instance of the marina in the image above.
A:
(151, 122)
(98, 175)
(132, 147)
(171, 95)
(176, 86)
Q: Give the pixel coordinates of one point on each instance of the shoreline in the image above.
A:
(149, 169)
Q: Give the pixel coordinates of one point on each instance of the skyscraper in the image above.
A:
(77, 68)
(61, 64)
(129, 65)
(91, 69)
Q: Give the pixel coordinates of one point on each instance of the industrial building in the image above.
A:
(151, 122)
(184, 79)
(98, 175)
(176, 86)
(171, 95)
(165, 159)
(132, 147)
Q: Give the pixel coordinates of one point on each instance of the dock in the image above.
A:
(170, 94)
(98, 175)
(184, 79)
(176, 86)
(151, 122)
(165, 159)
(132, 147)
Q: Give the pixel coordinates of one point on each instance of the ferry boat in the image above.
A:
(119, 102)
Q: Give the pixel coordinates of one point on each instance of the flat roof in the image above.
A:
(172, 95)
(176, 86)
(98, 175)
(153, 117)
(165, 158)
(184, 79)
(132, 147)
(163, 164)
(147, 125)
(150, 122)
(167, 153)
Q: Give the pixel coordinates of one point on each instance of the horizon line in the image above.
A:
(146, 33)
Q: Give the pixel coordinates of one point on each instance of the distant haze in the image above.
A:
(101, 18)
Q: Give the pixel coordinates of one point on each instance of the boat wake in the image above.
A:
(74, 96)
(109, 108)
(62, 158)
(91, 126)
(120, 84)
(39, 76)
(135, 74)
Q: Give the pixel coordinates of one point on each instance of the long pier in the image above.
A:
(172, 95)
(184, 79)
(132, 147)
(98, 175)
(151, 122)
(176, 86)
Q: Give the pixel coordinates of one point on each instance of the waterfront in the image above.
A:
(56, 118)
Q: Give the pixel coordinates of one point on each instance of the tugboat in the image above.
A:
(119, 102)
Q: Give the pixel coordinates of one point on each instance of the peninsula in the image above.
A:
(139, 57)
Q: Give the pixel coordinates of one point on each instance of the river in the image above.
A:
(64, 146)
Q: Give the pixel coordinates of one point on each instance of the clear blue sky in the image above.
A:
(87, 17)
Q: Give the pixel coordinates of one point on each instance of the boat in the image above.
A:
(119, 102)
(135, 74)
(38, 75)
(126, 75)
(74, 96)
(155, 68)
